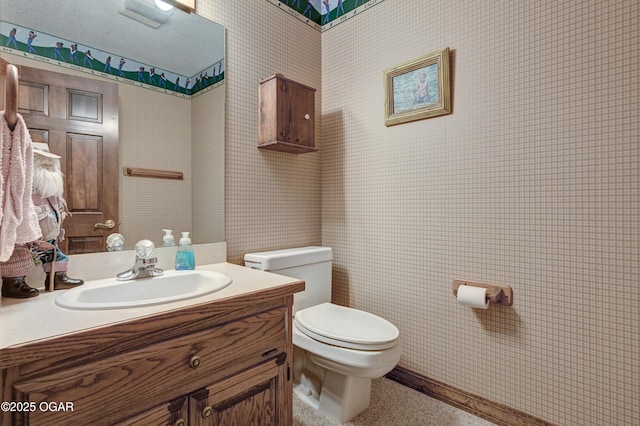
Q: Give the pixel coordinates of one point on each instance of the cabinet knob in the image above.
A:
(194, 362)
(180, 422)
(207, 411)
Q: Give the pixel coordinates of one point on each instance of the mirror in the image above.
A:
(159, 128)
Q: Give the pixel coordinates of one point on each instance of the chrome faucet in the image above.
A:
(145, 266)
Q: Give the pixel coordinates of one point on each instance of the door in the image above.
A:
(298, 110)
(78, 118)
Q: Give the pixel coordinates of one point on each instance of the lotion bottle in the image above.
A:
(167, 239)
(185, 258)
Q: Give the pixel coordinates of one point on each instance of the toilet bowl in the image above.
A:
(348, 357)
(337, 350)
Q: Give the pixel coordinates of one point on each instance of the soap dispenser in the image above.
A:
(185, 258)
(167, 239)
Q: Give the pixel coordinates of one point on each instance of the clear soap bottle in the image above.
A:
(167, 239)
(185, 258)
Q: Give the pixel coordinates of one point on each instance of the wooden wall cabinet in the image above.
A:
(287, 115)
(204, 365)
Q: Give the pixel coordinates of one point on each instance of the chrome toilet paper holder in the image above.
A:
(496, 293)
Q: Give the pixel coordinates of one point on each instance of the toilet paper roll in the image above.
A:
(476, 297)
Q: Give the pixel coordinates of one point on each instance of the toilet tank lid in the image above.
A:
(288, 258)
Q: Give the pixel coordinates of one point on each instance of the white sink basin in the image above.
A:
(170, 287)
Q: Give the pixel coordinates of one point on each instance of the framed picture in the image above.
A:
(418, 89)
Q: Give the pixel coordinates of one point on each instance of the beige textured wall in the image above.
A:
(207, 165)
(273, 199)
(149, 205)
(533, 182)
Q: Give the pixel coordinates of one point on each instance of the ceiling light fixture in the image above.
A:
(163, 6)
(147, 12)
(188, 6)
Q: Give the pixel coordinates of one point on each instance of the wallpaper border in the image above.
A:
(339, 11)
(96, 62)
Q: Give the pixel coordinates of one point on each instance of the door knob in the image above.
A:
(109, 224)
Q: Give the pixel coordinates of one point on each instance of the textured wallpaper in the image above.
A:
(272, 199)
(532, 182)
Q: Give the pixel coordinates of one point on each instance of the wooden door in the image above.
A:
(78, 118)
(298, 104)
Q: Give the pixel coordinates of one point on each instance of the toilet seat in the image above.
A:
(346, 327)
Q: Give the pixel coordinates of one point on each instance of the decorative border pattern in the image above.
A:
(324, 14)
(28, 43)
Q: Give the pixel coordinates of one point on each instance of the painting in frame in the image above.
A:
(418, 89)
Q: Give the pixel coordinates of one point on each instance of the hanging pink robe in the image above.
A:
(18, 219)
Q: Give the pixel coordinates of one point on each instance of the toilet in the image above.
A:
(337, 350)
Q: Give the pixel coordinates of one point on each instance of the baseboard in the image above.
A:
(496, 413)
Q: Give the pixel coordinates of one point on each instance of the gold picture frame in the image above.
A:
(417, 89)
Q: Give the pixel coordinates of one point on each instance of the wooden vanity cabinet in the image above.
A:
(197, 366)
(287, 115)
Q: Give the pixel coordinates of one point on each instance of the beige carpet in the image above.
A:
(393, 404)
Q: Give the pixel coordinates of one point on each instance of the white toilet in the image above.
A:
(337, 350)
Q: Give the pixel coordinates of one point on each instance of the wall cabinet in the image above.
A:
(203, 366)
(287, 115)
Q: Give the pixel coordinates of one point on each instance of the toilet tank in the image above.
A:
(311, 264)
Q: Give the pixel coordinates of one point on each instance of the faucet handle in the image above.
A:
(115, 242)
(149, 261)
(144, 249)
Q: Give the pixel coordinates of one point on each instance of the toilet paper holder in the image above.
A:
(496, 293)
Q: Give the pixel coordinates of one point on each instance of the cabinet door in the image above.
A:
(252, 398)
(175, 413)
(298, 111)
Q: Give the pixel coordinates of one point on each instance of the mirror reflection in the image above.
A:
(160, 128)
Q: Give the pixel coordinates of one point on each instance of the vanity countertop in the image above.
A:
(25, 322)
